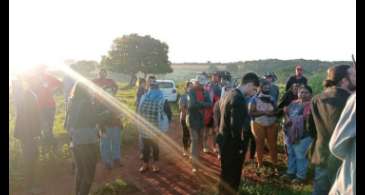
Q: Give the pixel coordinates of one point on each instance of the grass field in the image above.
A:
(50, 162)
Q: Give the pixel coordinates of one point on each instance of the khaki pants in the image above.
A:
(265, 132)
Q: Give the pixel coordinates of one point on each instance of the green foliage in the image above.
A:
(131, 54)
(232, 68)
(251, 188)
(212, 68)
(85, 67)
(115, 188)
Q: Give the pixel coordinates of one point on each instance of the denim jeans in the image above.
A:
(323, 181)
(47, 119)
(297, 161)
(110, 145)
(196, 145)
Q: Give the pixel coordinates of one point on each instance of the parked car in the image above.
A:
(168, 88)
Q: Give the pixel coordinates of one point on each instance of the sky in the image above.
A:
(52, 31)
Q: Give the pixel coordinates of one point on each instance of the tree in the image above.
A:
(131, 54)
(232, 68)
(212, 68)
(85, 67)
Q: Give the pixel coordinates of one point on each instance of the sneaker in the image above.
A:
(143, 168)
(155, 169)
(205, 150)
(194, 170)
(185, 154)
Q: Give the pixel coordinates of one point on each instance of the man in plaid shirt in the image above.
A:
(152, 104)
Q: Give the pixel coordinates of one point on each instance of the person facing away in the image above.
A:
(262, 111)
(233, 112)
(151, 107)
(110, 128)
(81, 120)
(326, 110)
(297, 78)
(198, 101)
(183, 106)
(297, 135)
(343, 146)
(27, 128)
(44, 86)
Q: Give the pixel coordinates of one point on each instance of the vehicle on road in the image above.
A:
(168, 88)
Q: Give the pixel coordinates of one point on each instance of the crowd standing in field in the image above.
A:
(215, 116)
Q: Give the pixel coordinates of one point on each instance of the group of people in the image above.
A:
(215, 116)
(91, 124)
(242, 118)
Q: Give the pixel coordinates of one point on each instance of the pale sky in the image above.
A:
(51, 31)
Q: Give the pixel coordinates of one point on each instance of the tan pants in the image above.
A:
(270, 133)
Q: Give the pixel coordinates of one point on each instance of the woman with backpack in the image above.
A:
(263, 124)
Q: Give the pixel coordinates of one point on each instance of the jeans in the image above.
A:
(186, 135)
(322, 181)
(149, 144)
(297, 161)
(196, 145)
(47, 119)
(110, 145)
(30, 155)
(231, 167)
(85, 160)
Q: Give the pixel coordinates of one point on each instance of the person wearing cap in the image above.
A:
(326, 110)
(198, 100)
(233, 112)
(297, 78)
(151, 106)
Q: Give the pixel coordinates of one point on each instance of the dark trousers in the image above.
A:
(186, 135)
(30, 155)
(249, 141)
(85, 160)
(148, 145)
(231, 167)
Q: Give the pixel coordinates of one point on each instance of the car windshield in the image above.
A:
(164, 85)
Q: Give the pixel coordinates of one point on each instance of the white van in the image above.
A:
(168, 89)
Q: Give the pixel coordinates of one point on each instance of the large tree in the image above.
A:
(84, 67)
(132, 53)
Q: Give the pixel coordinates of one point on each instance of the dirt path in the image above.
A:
(175, 177)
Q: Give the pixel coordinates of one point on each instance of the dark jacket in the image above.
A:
(326, 110)
(233, 115)
(287, 98)
(293, 79)
(195, 117)
(81, 114)
(27, 121)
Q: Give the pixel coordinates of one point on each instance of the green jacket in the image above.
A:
(326, 110)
